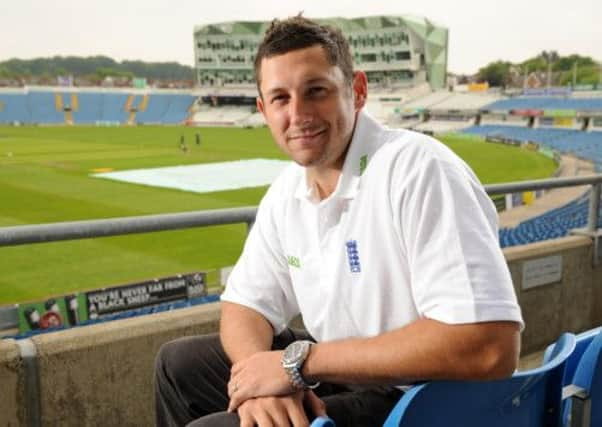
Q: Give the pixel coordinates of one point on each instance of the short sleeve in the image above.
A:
(260, 279)
(448, 226)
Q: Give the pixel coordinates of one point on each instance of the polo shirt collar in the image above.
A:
(364, 143)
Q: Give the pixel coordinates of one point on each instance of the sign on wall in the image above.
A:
(542, 271)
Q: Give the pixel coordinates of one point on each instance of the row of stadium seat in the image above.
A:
(557, 222)
(94, 108)
(545, 103)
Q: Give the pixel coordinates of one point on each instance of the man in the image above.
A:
(382, 239)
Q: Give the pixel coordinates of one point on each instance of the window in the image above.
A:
(368, 57)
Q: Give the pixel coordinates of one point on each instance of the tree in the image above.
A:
(496, 73)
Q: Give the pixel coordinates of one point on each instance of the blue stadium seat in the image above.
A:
(583, 340)
(113, 108)
(43, 108)
(177, 111)
(527, 399)
(558, 222)
(155, 109)
(545, 103)
(530, 399)
(587, 404)
(89, 108)
(14, 108)
(322, 422)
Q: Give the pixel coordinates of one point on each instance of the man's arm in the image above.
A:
(243, 331)
(423, 350)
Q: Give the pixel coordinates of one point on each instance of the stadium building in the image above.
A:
(394, 51)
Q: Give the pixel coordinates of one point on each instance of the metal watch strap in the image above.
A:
(296, 379)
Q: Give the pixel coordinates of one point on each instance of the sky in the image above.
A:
(162, 31)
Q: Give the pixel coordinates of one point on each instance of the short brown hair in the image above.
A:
(298, 32)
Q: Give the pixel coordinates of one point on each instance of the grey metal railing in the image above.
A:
(43, 233)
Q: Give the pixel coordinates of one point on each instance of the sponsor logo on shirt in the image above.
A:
(293, 261)
(363, 163)
(353, 256)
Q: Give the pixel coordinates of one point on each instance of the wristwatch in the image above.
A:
(292, 361)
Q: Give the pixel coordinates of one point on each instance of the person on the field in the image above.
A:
(383, 240)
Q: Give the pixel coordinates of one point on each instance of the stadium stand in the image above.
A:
(154, 110)
(546, 103)
(113, 108)
(587, 145)
(466, 101)
(178, 107)
(557, 222)
(93, 107)
(89, 111)
(14, 108)
(44, 108)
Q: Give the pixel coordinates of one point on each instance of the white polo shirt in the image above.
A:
(409, 232)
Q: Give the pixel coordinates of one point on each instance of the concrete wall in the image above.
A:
(572, 304)
(102, 374)
(11, 385)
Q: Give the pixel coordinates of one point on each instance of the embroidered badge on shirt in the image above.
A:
(293, 261)
(353, 256)
(363, 163)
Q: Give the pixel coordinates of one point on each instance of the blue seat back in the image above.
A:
(588, 376)
(322, 422)
(530, 399)
(583, 340)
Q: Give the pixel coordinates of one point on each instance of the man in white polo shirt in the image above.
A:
(383, 240)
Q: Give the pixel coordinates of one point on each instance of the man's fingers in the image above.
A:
(296, 414)
(253, 413)
(316, 404)
(279, 414)
(236, 368)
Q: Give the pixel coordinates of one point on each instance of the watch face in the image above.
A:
(296, 351)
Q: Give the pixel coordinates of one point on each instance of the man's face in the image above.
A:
(309, 107)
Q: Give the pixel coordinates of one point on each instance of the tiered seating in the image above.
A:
(177, 111)
(558, 222)
(113, 108)
(428, 101)
(43, 108)
(546, 103)
(551, 225)
(465, 101)
(13, 108)
(89, 108)
(155, 109)
(442, 126)
(227, 116)
(587, 145)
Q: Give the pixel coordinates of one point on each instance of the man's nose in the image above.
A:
(300, 111)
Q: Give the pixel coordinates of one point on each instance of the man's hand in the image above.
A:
(259, 375)
(280, 411)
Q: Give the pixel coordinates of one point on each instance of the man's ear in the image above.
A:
(259, 103)
(360, 89)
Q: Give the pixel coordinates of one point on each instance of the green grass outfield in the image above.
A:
(44, 177)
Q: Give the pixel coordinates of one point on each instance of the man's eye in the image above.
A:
(278, 99)
(316, 91)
